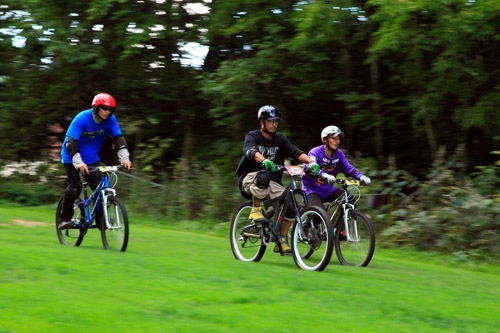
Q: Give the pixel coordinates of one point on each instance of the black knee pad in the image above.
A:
(263, 179)
(73, 191)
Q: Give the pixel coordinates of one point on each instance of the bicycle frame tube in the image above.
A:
(284, 200)
(95, 198)
(98, 198)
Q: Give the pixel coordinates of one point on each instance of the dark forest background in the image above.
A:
(415, 86)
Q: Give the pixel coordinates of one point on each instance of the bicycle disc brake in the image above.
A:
(315, 237)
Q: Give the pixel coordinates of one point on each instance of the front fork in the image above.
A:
(351, 231)
(105, 194)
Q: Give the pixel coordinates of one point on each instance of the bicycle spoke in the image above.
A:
(312, 252)
(72, 236)
(114, 229)
(355, 244)
(246, 236)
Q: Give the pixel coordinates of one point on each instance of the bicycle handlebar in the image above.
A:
(308, 171)
(347, 182)
(105, 168)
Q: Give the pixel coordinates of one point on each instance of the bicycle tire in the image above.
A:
(357, 252)
(114, 231)
(245, 236)
(73, 236)
(314, 252)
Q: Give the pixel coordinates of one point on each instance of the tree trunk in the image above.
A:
(431, 138)
(378, 134)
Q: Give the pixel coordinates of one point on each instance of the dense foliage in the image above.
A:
(407, 81)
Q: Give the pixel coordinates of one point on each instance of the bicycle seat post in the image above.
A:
(84, 186)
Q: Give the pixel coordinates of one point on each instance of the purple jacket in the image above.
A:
(333, 165)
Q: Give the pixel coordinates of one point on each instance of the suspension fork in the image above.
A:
(105, 194)
(296, 209)
(348, 208)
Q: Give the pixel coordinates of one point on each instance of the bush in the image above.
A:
(448, 214)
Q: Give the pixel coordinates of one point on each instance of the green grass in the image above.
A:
(181, 280)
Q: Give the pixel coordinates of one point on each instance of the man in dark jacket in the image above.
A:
(262, 149)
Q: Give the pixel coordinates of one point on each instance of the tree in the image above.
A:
(441, 54)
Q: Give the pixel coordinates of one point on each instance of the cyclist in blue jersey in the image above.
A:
(81, 146)
(332, 161)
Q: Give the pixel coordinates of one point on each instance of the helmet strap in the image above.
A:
(328, 150)
(263, 127)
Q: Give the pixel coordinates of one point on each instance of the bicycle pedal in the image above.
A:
(249, 234)
(261, 220)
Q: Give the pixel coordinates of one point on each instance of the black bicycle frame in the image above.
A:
(284, 200)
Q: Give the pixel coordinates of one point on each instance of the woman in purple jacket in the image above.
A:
(332, 161)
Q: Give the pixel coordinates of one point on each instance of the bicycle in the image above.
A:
(311, 250)
(353, 230)
(102, 207)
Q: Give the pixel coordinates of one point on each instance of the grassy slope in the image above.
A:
(181, 281)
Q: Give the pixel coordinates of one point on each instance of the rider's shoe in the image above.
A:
(99, 221)
(285, 249)
(256, 214)
(65, 225)
(343, 236)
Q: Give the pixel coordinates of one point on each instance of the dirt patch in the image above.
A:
(29, 223)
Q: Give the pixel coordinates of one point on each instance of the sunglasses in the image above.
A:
(107, 108)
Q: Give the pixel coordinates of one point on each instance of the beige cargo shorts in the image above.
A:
(274, 190)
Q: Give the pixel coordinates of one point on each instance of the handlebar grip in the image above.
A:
(329, 178)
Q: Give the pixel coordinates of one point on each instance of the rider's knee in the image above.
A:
(290, 213)
(73, 191)
(256, 184)
(262, 179)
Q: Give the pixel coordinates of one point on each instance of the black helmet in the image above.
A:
(269, 112)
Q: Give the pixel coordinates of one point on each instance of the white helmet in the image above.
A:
(331, 130)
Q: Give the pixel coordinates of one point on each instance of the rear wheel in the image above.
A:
(355, 246)
(246, 236)
(114, 225)
(72, 236)
(312, 250)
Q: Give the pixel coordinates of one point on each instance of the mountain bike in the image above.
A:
(311, 251)
(101, 210)
(353, 230)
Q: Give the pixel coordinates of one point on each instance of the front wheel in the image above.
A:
(312, 240)
(114, 226)
(355, 244)
(246, 236)
(73, 236)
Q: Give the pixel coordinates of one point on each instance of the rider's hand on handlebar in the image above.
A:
(330, 179)
(127, 165)
(83, 168)
(314, 168)
(268, 165)
(365, 180)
